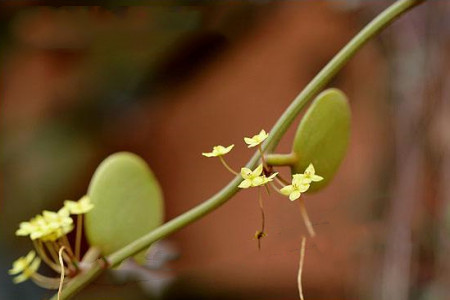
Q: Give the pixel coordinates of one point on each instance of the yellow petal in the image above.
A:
(316, 178)
(77, 207)
(272, 176)
(30, 256)
(19, 279)
(299, 179)
(258, 170)
(208, 154)
(248, 141)
(257, 181)
(246, 173)
(63, 212)
(287, 190)
(303, 187)
(294, 195)
(245, 184)
(35, 265)
(228, 149)
(310, 170)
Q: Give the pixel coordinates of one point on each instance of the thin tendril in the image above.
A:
(305, 217)
(300, 268)
(61, 262)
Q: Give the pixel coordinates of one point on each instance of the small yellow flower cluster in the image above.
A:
(26, 266)
(254, 178)
(48, 232)
(251, 178)
(251, 142)
(51, 226)
(301, 183)
(263, 174)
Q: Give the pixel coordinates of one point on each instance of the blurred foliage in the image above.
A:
(111, 59)
(69, 73)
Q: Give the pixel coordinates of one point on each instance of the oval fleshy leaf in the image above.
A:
(127, 200)
(322, 136)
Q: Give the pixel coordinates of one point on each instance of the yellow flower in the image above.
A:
(27, 265)
(57, 225)
(218, 151)
(41, 227)
(22, 263)
(79, 207)
(254, 178)
(49, 226)
(25, 228)
(295, 190)
(32, 228)
(256, 139)
(309, 175)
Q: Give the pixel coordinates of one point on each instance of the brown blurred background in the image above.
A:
(167, 81)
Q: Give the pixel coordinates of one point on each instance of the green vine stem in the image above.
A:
(283, 123)
(276, 159)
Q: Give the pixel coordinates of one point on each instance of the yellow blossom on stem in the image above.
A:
(35, 228)
(254, 178)
(295, 190)
(218, 151)
(26, 228)
(58, 224)
(41, 228)
(301, 183)
(309, 175)
(81, 206)
(256, 139)
(26, 265)
(57, 219)
(47, 227)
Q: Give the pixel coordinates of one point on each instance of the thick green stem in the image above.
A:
(275, 159)
(283, 123)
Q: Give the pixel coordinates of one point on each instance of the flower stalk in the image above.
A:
(305, 217)
(227, 166)
(276, 159)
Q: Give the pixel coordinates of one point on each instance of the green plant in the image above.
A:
(314, 130)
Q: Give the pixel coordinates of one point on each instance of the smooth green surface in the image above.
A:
(127, 203)
(277, 159)
(322, 136)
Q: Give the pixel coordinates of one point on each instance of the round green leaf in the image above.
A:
(322, 136)
(127, 203)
